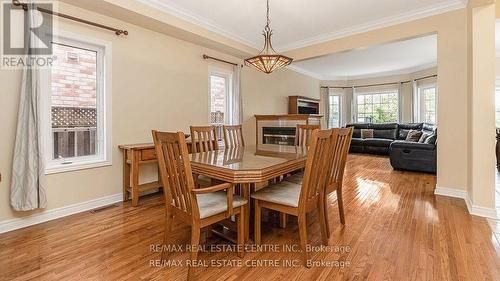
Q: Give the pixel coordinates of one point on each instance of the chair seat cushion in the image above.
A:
(296, 178)
(284, 193)
(215, 203)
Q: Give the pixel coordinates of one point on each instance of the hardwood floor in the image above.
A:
(396, 229)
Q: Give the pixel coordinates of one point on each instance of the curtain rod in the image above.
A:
(224, 61)
(381, 84)
(116, 30)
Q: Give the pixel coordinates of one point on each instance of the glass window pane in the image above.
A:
(73, 84)
(378, 107)
(334, 111)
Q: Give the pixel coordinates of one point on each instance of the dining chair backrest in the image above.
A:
(340, 150)
(203, 138)
(317, 166)
(175, 171)
(303, 134)
(233, 136)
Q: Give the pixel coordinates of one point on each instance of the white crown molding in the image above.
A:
(44, 216)
(381, 74)
(305, 72)
(377, 24)
(198, 20)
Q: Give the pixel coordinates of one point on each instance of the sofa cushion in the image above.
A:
(385, 130)
(426, 127)
(405, 128)
(378, 142)
(399, 144)
(356, 132)
(357, 142)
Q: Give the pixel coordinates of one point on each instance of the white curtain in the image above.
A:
(237, 103)
(27, 190)
(325, 97)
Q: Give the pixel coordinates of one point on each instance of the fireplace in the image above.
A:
(278, 135)
(276, 131)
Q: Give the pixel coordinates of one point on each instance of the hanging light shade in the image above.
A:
(268, 60)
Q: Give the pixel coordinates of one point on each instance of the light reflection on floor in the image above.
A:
(370, 188)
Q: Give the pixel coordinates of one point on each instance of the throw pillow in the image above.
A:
(366, 133)
(431, 139)
(414, 135)
(423, 137)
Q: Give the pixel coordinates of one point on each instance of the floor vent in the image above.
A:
(97, 210)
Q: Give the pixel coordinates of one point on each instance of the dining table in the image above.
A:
(250, 167)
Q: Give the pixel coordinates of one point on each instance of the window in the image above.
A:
(334, 110)
(426, 104)
(376, 106)
(78, 133)
(220, 100)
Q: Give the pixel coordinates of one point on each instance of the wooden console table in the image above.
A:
(135, 155)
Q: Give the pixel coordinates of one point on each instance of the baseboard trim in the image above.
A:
(491, 213)
(44, 216)
(450, 192)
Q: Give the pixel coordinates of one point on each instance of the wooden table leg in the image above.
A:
(245, 192)
(126, 176)
(135, 178)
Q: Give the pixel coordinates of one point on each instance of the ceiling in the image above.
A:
(299, 23)
(400, 57)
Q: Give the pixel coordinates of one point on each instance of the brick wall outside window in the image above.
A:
(73, 81)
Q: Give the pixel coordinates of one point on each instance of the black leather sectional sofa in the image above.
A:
(390, 139)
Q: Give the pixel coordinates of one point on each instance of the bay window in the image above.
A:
(376, 105)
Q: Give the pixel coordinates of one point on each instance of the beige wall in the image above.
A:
(159, 82)
(405, 93)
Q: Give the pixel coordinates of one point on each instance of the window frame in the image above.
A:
(341, 109)
(375, 92)
(228, 76)
(103, 155)
(420, 102)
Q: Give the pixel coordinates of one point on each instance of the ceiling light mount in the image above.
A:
(268, 60)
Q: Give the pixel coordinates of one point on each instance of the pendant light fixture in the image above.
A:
(268, 60)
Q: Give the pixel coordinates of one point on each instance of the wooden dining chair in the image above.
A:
(197, 207)
(203, 139)
(233, 136)
(298, 200)
(303, 134)
(302, 137)
(340, 150)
